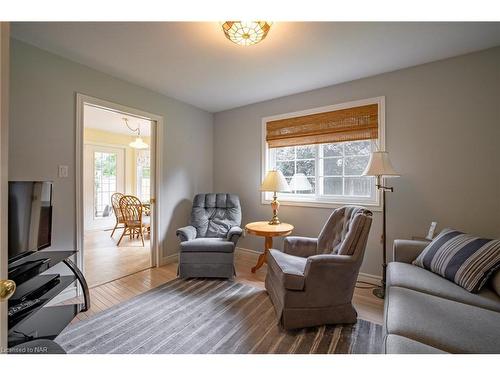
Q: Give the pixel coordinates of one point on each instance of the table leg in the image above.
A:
(263, 257)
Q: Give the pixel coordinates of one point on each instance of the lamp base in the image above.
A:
(379, 293)
(274, 221)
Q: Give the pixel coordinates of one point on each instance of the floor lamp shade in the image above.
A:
(380, 165)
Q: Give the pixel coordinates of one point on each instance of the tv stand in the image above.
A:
(41, 321)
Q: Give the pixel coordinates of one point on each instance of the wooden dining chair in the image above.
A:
(133, 219)
(115, 203)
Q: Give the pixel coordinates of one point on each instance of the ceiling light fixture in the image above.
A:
(246, 33)
(138, 143)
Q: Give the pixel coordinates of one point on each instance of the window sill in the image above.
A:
(323, 204)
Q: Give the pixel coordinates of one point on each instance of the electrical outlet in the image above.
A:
(63, 171)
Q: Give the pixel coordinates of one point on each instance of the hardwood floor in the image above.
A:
(105, 261)
(109, 294)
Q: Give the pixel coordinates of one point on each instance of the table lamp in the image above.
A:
(380, 166)
(275, 182)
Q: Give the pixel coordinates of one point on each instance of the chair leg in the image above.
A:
(121, 237)
(142, 236)
(113, 232)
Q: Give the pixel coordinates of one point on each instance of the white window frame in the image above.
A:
(321, 201)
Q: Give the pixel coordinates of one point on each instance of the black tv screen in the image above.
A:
(30, 216)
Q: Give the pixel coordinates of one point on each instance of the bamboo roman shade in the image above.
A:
(351, 124)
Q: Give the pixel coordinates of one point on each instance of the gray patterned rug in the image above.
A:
(209, 316)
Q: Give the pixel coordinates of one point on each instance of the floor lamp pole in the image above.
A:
(380, 292)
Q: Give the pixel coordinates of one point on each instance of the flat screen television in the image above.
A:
(30, 217)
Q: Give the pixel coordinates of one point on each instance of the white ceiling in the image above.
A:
(106, 120)
(195, 63)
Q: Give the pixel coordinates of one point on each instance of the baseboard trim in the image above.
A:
(364, 277)
(249, 251)
(172, 258)
(369, 278)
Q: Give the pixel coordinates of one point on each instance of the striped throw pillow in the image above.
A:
(466, 260)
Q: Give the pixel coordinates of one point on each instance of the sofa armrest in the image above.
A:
(186, 233)
(300, 246)
(234, 234)
(406, 251)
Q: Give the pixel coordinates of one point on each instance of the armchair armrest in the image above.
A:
(186, 233)
(406, 251)
(300, 246)
(331, 278)
(234, 234)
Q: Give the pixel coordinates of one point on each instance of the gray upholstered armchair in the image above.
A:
(312, 281)
(207, 244)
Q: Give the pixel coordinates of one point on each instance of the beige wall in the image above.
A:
(42, 136)
(442, 130)
(101, 138)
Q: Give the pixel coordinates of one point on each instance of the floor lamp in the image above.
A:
(380, 166)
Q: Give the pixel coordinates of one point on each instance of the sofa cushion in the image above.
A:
(219, 245)
(464, 259)
(416, 278)
(444, 324)
(395, 344)
(288, 269)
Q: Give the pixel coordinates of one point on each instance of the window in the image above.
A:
(323, 173)
(143, 175)
(104, 182)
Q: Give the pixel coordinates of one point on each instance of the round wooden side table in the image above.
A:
(264, 229)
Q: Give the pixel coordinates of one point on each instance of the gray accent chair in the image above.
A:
(207, 244)
(312, 281)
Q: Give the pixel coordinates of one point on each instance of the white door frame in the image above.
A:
(4, 168)
(157, 130)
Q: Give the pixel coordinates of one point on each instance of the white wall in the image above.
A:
(42, 136)
(442, 131)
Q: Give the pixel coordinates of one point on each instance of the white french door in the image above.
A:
(104, 175)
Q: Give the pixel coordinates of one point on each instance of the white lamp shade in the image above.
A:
(380, 165)
(138, 143)
(300, 182)
(274, 181)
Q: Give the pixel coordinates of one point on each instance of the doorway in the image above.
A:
(117, 210)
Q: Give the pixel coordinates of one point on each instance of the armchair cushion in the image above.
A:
(337, 228)
(218, 245)
(288, 268)
(186, 233)
(300, 246)
(214, 214)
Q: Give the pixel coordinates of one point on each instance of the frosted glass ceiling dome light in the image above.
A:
(246, 33)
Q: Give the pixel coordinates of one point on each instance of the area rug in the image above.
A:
(209, 316)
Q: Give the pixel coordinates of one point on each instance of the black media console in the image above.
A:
(29, 317)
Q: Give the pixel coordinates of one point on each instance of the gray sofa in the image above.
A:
(312, 281)
(207, 244)
(425, 313)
